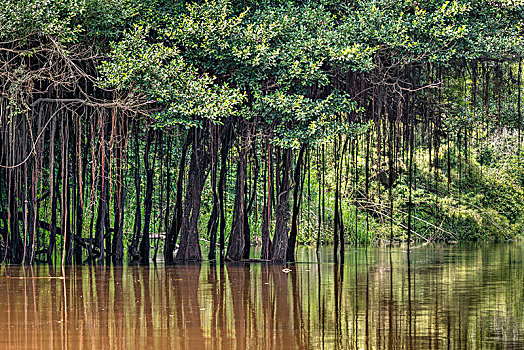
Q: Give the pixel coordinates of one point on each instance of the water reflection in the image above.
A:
(467, 297)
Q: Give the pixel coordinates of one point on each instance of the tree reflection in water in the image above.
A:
(433, 297)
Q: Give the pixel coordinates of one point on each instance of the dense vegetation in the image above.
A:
(160, 126)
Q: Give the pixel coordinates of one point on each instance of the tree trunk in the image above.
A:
(235, 247)
(282, 213)
(148, 201)
(172, 236)
(118, 244)
(250, 202)
(299, 185)
(212, 224)
(266, 212)
(226, 138)
(189, 245)
(137, 226)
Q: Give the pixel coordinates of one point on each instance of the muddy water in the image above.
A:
(436, 297)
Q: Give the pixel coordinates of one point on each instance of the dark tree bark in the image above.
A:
(137, 226)
(236, 245)
(212, 224)
(167, 215)
(337, 195)
(410, 182)
(519, 113)
(79, 179)
(251, 201)
(15, 244)
(53, 192)
(282, 213)
(298, 186)
(189, 245)
(148, 200)
(118, 244)
(101, 221)
(172, 235)
(266, 211)
(66, 191)
(226, 138)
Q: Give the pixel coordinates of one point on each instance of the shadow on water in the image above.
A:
(434, 297)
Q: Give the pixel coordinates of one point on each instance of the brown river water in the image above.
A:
(435, 297)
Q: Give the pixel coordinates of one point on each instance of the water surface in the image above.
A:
(435, 297)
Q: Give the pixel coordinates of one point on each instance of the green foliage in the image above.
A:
(65, 21)
(275, 53)
(435, 30)
(161, 75)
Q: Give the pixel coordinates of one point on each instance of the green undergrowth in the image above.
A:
(479, 202)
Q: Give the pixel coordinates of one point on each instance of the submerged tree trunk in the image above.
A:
(100, 230)
(79, 178)
(226, 138)
(266, 211)
(282, 213)
(235, 248)
(172, 235)
(14, 242)
(298, 186)
(189, 249)
(118, 244)
(53, 193)
(137, 226)
(250, 202)
(519, 114)
(148, 200)
(212, 224)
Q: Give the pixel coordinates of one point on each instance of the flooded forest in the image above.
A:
(173, 131)
(261, 174)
